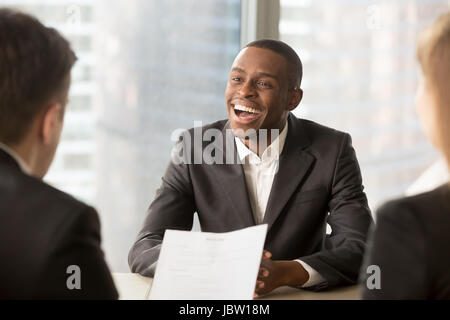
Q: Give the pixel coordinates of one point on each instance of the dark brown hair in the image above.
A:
(295, 71)
(35, 64)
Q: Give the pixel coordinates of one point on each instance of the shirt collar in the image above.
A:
(22, 164)
(271, 152)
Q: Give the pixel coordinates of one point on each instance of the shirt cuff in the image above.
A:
(314, 277)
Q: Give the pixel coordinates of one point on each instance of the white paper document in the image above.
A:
(209, 266)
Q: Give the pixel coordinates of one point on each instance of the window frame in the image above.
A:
(259, 20)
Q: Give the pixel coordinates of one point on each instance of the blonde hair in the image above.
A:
(433, 53)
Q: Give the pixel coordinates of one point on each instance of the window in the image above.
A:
(360, 76)
(145, 68)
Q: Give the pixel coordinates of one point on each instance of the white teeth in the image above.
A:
(246, 109)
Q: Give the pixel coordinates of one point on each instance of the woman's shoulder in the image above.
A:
(427, 204)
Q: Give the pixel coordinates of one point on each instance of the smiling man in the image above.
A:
(262, 88)
(293, 174)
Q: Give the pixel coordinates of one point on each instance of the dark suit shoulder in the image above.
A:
(316, 130)
(68, 213)
(408, 243)
(195, 140)
(45, 228)
(36, 208)
(218, 125)
(323, 142)
(424, 206)
(36, 191)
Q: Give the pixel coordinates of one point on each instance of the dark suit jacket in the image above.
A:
(42, 232)
(411, 246)
(318, 174)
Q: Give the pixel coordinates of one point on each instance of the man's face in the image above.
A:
(257, 93)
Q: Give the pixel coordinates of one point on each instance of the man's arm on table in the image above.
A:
(172, 208)
(340, 259)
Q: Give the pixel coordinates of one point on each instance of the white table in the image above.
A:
(132, 286)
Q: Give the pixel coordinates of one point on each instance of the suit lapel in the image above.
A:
(294, 165)
(232, 179)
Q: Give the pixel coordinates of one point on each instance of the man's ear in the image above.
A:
(295, 96)
(51, 122)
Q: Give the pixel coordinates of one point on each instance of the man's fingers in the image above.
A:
(263, 273)
(266, 254)
(260, 288)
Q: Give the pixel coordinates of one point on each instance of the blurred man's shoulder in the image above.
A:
(24, 193)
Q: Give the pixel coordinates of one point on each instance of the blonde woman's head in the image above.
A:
(433, 96)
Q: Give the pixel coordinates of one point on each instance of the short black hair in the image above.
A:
(35, 64)
(295, 71)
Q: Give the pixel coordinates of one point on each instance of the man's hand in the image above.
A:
(276, 273)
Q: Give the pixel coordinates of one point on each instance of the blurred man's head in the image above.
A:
(263, 86)
(35, 65)
(433, 96)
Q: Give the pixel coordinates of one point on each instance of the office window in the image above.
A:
(145, 68)
(360, 76)
(77, 161)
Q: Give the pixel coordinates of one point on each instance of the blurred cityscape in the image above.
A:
(360, 76)
(146, 68)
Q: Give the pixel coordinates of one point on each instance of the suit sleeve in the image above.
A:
(172, 208)
(77, 243)
(341, 256)
(397, 247)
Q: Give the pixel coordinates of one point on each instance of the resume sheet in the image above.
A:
(209, 266)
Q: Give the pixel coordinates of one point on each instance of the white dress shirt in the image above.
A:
(22, 164)
(259, 175)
